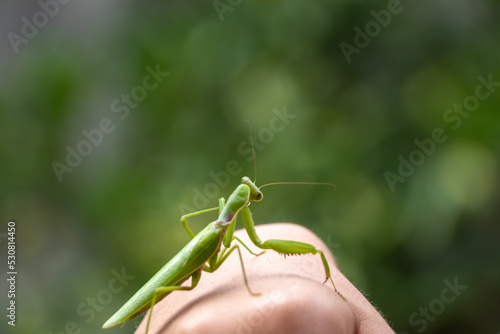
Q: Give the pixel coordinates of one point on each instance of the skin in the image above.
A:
(293, 298)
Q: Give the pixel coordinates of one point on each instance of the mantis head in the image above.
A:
(255, 193)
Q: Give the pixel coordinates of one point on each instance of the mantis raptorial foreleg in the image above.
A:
(286, 247)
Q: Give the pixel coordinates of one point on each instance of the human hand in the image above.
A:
(293, 298)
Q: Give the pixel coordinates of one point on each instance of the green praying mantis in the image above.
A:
(209, 249)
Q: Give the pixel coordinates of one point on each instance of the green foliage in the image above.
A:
(353, 122)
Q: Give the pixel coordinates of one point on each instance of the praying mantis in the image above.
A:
(209, 249)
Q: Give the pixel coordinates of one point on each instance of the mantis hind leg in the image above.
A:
(285, 247)
(195, 278)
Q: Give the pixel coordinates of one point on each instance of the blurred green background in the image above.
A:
(349, 123)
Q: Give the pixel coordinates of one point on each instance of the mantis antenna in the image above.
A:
(315, 183)
(253, 150)
(276, 183)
